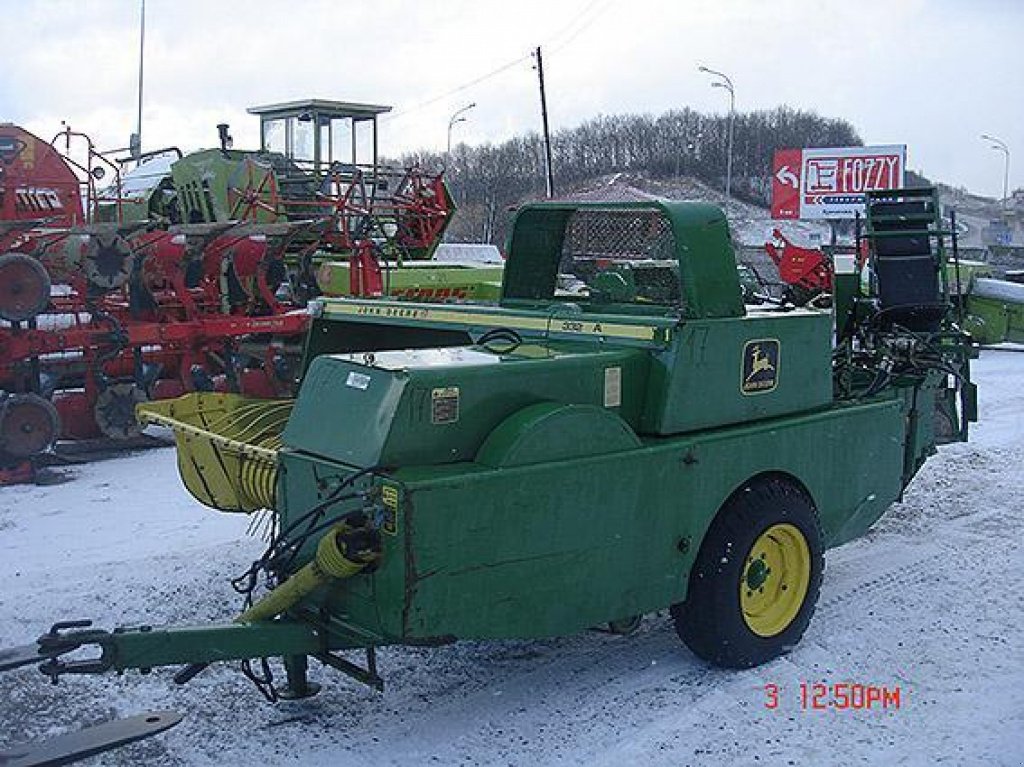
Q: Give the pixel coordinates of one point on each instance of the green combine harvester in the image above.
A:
(566, 460)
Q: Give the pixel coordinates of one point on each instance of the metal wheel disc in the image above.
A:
(775, 580)
(108, 261)
(115, 410)
(28, 425)
(24, 287)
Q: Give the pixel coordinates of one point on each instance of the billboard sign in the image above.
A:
(830, 183)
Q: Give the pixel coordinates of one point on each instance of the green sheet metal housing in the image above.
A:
(995, 311)
(535, 489)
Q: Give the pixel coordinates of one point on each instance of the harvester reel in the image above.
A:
(29, 424)
(24, 287)
(253, 193)
(115, 410)
(108, 261)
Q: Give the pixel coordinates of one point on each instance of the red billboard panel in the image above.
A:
(830, 183)
(786, 174)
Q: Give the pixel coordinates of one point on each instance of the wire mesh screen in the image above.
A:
(620, 256)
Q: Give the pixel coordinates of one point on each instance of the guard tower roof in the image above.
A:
(324, 107)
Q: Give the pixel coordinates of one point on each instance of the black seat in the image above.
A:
(909, 290)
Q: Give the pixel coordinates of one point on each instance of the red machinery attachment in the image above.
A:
(806, 271)
(365, 276)
(37, 185)
(97, 317)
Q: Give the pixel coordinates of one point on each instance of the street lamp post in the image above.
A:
(725, 82)
(457, 117)
(1000, 146)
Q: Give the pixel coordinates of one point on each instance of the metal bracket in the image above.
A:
(63, 638)
(367, 676)
(60, 639)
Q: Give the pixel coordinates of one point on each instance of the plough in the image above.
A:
(191, 272)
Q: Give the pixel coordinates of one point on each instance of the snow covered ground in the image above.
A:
(931, 602)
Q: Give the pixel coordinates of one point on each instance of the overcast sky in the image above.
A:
(932, 74)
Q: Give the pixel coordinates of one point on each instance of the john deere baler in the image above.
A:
(620, 435)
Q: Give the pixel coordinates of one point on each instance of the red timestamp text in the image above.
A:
(838, 696)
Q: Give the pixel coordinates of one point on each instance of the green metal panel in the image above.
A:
(987, 320)
(699, 382)
(534, 246)
(707, 262)
(555, 548)
(437, 406)
(552, 431)
(996, 311)
(552, 547)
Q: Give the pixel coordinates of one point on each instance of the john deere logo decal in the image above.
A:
(760, 366)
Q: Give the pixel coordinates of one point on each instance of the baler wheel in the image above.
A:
(28, 425)
(756, 579)
(24, 287)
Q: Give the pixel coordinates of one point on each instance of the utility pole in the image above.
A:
(142, 45)
(547, 134)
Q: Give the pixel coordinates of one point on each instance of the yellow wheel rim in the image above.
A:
(776, 574)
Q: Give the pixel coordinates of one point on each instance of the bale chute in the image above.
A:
(227, 446)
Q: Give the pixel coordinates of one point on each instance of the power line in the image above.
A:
(458, 89)
(584, 25)
(578, 19)
(575, 19)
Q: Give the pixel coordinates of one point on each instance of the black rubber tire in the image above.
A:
(710, 621)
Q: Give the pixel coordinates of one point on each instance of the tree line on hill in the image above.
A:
(487, 179)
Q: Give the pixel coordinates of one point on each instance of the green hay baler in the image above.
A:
(561, 461)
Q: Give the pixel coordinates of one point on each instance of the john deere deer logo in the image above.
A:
(760, 366)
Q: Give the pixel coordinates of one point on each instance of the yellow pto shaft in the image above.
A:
(341, 553)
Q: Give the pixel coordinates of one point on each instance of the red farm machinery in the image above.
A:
(186, 272)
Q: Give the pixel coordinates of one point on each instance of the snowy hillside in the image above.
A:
(752, 225)
(931, 602)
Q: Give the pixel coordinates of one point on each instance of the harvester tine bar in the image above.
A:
(74, 746)
(263, 424)
(251, 424)
(242, 447)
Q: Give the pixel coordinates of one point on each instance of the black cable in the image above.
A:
(246, 582)
(280, 544)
